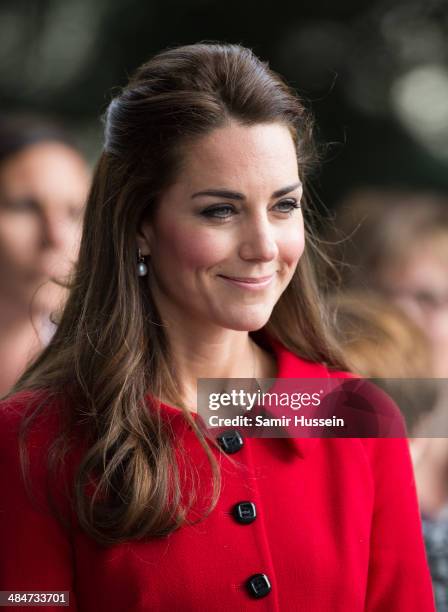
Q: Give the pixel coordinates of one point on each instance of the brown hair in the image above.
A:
(20, 131)
(110, 351)
(378, 339)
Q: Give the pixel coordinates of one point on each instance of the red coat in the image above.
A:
(337, 529)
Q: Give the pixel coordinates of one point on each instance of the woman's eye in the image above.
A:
(226, 210)
(218, 212)
(19, 204)
(287, 206)
(74, 213)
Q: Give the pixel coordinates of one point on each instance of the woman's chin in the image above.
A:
(249, 322)
(48, 299)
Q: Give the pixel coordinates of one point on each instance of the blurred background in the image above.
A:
(375, 73)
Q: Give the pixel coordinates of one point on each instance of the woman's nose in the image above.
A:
(258, 242)
(53, 231)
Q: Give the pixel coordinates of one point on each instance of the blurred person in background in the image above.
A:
(380, 341)
(394, 247)
(44, 182)
(396, 243)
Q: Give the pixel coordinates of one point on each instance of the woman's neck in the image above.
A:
(19, 343)
(223, 354)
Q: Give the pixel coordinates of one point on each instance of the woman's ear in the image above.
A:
(144, 238)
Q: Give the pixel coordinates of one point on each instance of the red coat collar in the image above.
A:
(289, 365)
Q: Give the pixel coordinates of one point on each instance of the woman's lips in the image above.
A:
(250, 283)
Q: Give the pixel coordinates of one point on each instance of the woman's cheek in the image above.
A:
(292, 247)
(19, 238)
(194, 249)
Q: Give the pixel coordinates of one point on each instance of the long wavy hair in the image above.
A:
(110, 352)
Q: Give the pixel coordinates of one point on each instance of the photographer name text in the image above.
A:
(283, 421)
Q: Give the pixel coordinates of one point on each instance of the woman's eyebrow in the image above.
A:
(236, 195)
(220, 193)
(281, 192)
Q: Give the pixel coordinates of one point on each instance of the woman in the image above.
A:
(43, 187)
(193, 241)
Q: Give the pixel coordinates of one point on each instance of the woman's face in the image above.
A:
(419, 285)
(43, 189)
(227, 235)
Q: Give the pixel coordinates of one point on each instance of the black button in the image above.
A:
(259, 585)
(245, 512)
(230, 441)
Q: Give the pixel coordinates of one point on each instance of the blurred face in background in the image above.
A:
(43, 189)
(419, 285)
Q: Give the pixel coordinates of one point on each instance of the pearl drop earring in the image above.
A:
(142, 268)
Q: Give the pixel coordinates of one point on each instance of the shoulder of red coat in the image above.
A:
(360, 397)
(291, 365)
(16, 408)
